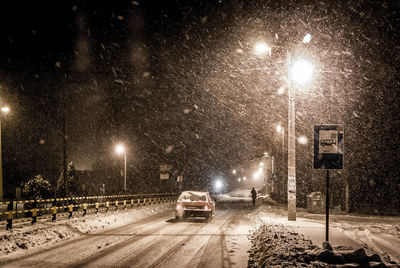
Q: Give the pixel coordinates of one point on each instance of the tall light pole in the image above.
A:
(4, 110)
(121, 149)
(300, 71)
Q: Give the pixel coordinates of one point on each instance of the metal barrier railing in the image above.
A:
(50, 208)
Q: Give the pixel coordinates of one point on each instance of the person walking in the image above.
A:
(253, 196)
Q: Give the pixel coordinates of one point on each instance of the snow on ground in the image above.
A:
(360, 240)
(43, 233)
(355, 239)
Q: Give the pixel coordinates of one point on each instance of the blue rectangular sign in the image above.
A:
(328, 146)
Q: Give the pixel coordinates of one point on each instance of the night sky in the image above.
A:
(177, 82)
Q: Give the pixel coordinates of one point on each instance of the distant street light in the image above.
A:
(4, 110)
(234, 171)
(218, 185)
(120, 149)
(302, 140)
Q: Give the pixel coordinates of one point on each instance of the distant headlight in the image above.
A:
(206, 207)
(178, 206)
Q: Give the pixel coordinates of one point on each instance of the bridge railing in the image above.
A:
(23, 211)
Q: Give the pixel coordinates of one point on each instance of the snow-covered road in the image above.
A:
(154, 241)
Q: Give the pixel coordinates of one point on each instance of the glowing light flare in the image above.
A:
(281, 91)
(279, 128)
(218, 184)
(120, 149)
(302, 71)
(234, 171)
(262, 49)
(302, 140)
(244, 178)
(261, 164)
(256, 175)
(5, 109)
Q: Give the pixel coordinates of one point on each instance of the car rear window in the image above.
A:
(192, 196)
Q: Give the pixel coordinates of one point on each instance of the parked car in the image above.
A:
(194, 204)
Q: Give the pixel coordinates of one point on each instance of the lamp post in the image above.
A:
(121, 149)
(300, 72)
(4, 110)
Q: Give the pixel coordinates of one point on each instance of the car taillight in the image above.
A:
(178, 206)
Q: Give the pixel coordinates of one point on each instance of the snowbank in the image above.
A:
(45, 233)
(276, 245)
(277, 241)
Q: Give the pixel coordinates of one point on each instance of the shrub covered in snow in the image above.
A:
(37, 188)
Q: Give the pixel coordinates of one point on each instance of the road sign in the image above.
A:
(328, 146)
(164, 176)
(165, 168)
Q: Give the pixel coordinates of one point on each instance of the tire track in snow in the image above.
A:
(216, 246)
(129, 261)
(53, 252)
(111, 249)
(182, 243)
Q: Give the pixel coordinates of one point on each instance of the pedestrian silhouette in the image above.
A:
(253, 196)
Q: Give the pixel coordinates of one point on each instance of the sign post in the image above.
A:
(328, 154)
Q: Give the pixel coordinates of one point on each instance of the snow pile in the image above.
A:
(17, 240)
(115, 219)
(44, 233)
(276, 245)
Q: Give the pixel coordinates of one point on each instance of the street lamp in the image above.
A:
(120, 149)
(300, 72)
(4, 110)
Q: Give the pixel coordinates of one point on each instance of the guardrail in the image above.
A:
(51, 208)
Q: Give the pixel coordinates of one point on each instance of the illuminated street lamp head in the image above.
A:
(261, 49)
(5, 109)
(302, 71)
(120, 149)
